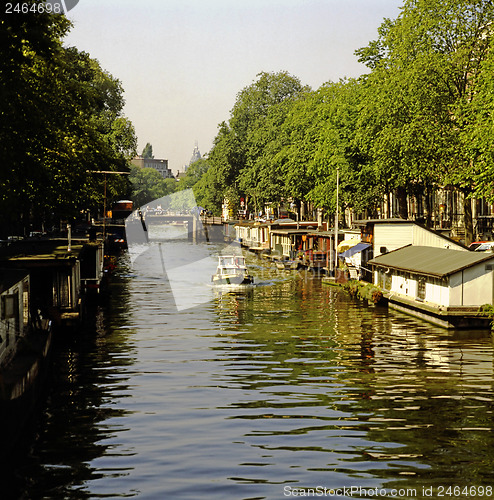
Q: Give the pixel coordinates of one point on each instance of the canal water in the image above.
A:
(289, 388)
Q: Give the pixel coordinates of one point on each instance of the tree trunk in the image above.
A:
(468, 218)
(428, 208)
(401, 194)
(298, 208)
(388, 202)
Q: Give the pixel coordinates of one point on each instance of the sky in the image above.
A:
(183, 62)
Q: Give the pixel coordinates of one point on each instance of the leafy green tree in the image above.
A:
(27, 44)
(262, 177)
(147, 152)
(209, 193)
(196, 178)
(335, 149)
(477, 131)
(122, 137)
(257, 115)
(424, 66)
(148, 185)
(225, 162)
(193, 175)
(60, 117)
(299, 134)
(319, 139)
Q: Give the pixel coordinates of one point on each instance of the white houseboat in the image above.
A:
(444, 286)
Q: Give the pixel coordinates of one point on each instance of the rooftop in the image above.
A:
(430, 261)
(43, 250)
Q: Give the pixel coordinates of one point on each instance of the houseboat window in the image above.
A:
(381, 279)
(387, 281)
(10, 305)
(61, 290)
(421, 289)
(25, 302)
(384, 280)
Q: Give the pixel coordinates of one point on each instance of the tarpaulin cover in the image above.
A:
(355, 249)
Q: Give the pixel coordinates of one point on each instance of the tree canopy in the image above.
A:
(148, 185)
(426, 66)
(61, 116)
(419, 120)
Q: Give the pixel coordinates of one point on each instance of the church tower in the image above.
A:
(196, 155)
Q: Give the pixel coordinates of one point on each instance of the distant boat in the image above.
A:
(231, 270)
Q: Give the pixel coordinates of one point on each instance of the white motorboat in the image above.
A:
(231, 271)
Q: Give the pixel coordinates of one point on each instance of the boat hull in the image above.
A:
(238, 279)
(22, 388)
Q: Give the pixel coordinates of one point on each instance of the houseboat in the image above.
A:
(288, 243)
(253, 235)
(446, 287)
(62, 273)
(386, 235)
(14, 311)
(289, 265)
(25, 340)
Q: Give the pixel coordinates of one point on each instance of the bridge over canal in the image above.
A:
(202, 228)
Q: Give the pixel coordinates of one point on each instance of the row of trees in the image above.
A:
(61, 119)
(422, 118)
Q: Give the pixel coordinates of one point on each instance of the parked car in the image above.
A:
(487, 246)
(476, 244)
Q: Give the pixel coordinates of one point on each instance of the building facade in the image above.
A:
(160, 166)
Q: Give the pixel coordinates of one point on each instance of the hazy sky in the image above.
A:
(182, 62)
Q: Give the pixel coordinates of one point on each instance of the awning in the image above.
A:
(359, 247)
(347, 244)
